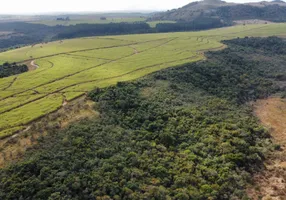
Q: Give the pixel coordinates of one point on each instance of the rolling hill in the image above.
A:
(70, 68)
(168, 114)
(227, 12)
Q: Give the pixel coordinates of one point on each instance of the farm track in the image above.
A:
(77, 71)
(90, 81)
(59, 91)
(84, 50)
(52, 65)
(134, 49)
(13, 81)
(34, 65)
(69, 75)
(81, 56)
(116, 39)
(161, 44)
(73, 54)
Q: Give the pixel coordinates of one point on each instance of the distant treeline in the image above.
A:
(82, 30)
(8, 69)
(37, 33)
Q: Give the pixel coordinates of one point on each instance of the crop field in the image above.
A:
(70, 68)
(88, 21)
(98, 21)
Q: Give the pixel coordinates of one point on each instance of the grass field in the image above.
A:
(70, 68)
(98, 21)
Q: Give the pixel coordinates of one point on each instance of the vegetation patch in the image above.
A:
(70, 68)
(181, 133)
(12, 69)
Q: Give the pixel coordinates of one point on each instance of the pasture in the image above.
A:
(70, 68)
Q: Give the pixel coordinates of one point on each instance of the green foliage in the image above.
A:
(237, 73)
(201, 23)
(275, 13)
(271, 45)
(11, 69)
(166, 136)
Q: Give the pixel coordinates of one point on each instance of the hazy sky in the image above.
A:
(39, 6)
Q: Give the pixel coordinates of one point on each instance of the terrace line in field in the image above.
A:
(70, 68)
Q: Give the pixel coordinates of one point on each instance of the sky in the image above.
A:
(46, 6)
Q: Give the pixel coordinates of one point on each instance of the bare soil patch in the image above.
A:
(31, 65)
(13, 148)
(271, 182)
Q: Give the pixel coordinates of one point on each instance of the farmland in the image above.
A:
(70, 68)
(98, 21)
(88, 21)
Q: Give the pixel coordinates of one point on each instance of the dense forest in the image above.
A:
(82, 30)
(201, 23)
(8, 69)
(181, 133)
(274, 13)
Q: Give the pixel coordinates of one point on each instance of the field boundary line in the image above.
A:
(82, 69)
(90, 81)
(83, 50)
(81, 56)
(12, 82)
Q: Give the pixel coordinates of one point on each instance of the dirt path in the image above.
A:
(134, 49)
(34, 65)
(271, 183)
(31, 65)
(90, 49)
(69, 75)
(90, 81)
(12, 82)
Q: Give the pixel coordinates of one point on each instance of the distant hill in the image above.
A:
(227, 12)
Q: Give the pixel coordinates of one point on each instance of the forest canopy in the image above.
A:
(181, 133)
(8, 69)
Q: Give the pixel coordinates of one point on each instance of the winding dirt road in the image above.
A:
(34, 65)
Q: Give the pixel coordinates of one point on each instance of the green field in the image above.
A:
(98, 21)
(70, 68)
(88, 21)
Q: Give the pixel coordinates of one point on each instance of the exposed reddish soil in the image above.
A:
(271, 182)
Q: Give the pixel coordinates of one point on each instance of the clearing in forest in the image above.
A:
(70, 68)
(270, 183)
